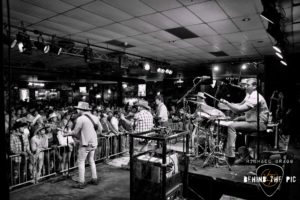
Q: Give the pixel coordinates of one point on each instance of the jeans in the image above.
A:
(83, 153)
(240, 126)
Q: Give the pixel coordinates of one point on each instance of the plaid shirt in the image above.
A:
(143, 121)
(16, 145)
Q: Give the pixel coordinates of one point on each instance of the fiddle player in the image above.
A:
(248, 122)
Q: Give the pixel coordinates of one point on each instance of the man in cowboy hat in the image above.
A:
(85, 131)
(143, 119)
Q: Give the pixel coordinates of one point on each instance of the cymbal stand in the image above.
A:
(216, 151)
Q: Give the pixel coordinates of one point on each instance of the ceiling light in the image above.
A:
(41, 46)
(246, 19)
(244, 66)
(9, 41)
(159, 70)
(147, 66)
(216, 68)
(279, 55)
(162, 70)
(170, 72)
(276, 47)
(283, 62)
(271, 15)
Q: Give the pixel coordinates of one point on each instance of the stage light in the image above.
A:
(147, 66)
(279, 55)
(170, 72)
(276, 47)
(162, 71)
(55, 49)
(216, 68)
(283, 62)
(9, 41)
(88, 54)
(244, 66)
(40, 45)
(159, 70)
(167, 71)
(23, 42)
(271, 15)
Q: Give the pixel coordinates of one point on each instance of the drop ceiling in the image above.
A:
(218, 26)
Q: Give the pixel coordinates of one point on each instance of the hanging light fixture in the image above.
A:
(23, 42)
(40, 45)
(277, 48)
(54, 48)
(88, 53)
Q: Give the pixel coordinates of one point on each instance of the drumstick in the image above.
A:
(211, 97)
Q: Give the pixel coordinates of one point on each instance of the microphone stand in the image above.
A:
(257, 109)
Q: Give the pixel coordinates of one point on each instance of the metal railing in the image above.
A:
(27, 169)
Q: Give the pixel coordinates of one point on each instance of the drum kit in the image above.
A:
(209, 135)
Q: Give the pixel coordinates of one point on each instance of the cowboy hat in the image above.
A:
(52, 115)
(41, 127)
(201, 95)
(82, 106)
(142, 103)
(19, 124)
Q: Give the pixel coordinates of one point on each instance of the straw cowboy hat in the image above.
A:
(143, 103)
(83, 106)
(201, 95)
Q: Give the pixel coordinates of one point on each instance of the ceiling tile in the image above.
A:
(215, 39)
(93, 38)
(181, 44)
(256, 34)
(132, 7)
(31, 10)
(164, 36)
(77, 2)
(69, 21)
(89, 17)
(194, 50)
(106, 33)
(196, 42)
(208, 11)
(235, 37)
(147, 38)
(190, 2)
(254, 23)
(160, 5)
(224, 26)
(160, 21)
(265, 50)
(201, 30)
(165, 45)
(48, 30)
(225, 46)
(209, 48)
(119, 28)
(233, 52)
(27, 19)
(59, 27)
(53, 5)
(107, 11)
(140, 25)
(236, 8)
(132, 41)
(182, 16)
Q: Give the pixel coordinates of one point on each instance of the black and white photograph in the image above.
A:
(150, 100)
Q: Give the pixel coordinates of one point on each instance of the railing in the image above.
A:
(30, 170)
(25, 169)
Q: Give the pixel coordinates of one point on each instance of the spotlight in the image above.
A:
(279, 55)
(216, 68)
(55, 49)
(244, 66)
(88, 54)
(167, 71)
(276, 47)
(23, 42)
(159, 70)
(283, 62)
(41, 46)
(162, 71)
(147, 66)
(9, 41)
(170, 72)
(271, 15)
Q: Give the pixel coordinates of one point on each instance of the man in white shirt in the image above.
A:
(85, 131)
(161, 111)
(248, 122)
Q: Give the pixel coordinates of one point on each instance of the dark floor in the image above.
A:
(114, 185)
